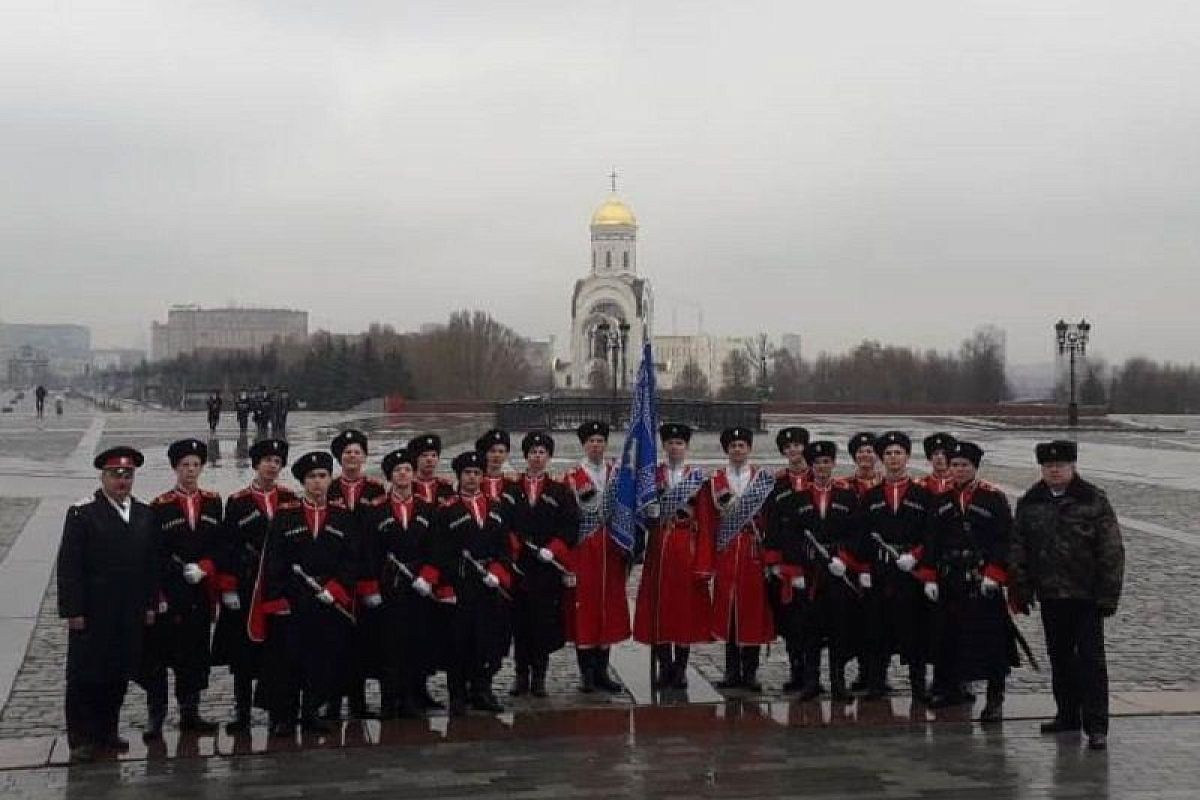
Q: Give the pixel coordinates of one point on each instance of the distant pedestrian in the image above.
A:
(242, 408)
(214, 404)
(39, 401)
(106, 588)
(1067, 553)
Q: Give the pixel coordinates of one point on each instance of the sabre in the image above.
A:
(554, 561)
(318, 588)
(402, 569)
(824, 553)
(483, 573)
(891, 551)
(1023, 643)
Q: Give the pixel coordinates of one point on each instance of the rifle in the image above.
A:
(483, 573)
(318, 588)
(823, 552)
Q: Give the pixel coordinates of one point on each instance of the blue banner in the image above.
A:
(639, 460)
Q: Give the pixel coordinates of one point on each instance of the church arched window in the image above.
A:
(593, 259)
(625, 259)
(608, 260)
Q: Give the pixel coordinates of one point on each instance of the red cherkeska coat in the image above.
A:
(673, 602)
(740, 611)
(601, 609)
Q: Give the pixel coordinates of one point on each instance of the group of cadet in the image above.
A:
(268, 409)
(308, 596)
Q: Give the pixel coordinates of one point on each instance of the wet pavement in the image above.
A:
(724, 751)
(1151, 477)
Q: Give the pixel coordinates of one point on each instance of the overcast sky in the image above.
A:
(901, 171)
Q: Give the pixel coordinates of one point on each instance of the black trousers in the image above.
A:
(93, 710)
(1078, 669)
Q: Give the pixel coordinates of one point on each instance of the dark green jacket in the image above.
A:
(1067, 547)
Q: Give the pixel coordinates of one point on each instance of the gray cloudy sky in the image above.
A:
(902, 171)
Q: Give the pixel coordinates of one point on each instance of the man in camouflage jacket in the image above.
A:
(1067, 553)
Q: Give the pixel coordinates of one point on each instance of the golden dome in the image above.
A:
(613, 212)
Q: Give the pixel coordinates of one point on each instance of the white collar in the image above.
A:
(123, 509)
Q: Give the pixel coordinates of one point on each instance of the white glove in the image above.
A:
(373, 600)
(231, 601)
(193, 574)
(546, 554)
(988, 586)
(422, 586)
(162, 606)
(931, 591)
(652, 511)
(906, 562)
(798, 582)
(864, 580)
(776, 571)
(837, 567)
(325, 597)
(491, 581)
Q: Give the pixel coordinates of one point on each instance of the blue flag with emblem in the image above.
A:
(636, 487)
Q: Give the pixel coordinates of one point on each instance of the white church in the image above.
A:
(612, 309)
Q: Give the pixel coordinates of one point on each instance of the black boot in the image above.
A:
(332, 711)
(837, 680)
(603, 680)
(156, 714)
(811, 687)
(190, 719)
(537, 684)
(916, 680)
(358, 702)
(733, 668)
(520, 683)
(877, 686)
(993, 710)
(660, 655)
(243, 693)
(795, 681)
(587, 673)
(750, 668)
(679, 667)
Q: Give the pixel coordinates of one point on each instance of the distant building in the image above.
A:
(191, 329)
(66, 349)
(120, 358)
(27, 366)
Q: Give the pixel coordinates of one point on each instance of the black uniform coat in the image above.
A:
(359, 501)
(897, 609)
(402, 530)
(481, 617)
(971, 540)
(239, 557)
(307, 648)
(823, 610)
(179, 637)
(545, 515)
(106, 574)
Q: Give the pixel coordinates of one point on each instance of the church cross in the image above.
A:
(612, 176)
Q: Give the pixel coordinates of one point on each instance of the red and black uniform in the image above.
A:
(970, 546)
(434, 490)
(897, 610)
(601, 617)
(674, 607)
(189, 531)
(545, 515)
(825, 611)
(402, 531)
(741, 614)
(861, 484)
(307, 640)
(366, 660)
(936, 484)
(470, 540)
(248, 515)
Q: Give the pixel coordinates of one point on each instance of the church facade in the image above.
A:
(613, 305)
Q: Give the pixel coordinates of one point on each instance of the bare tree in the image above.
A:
(736, 377)
(691, 382)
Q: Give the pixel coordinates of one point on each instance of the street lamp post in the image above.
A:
(1072, 338)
